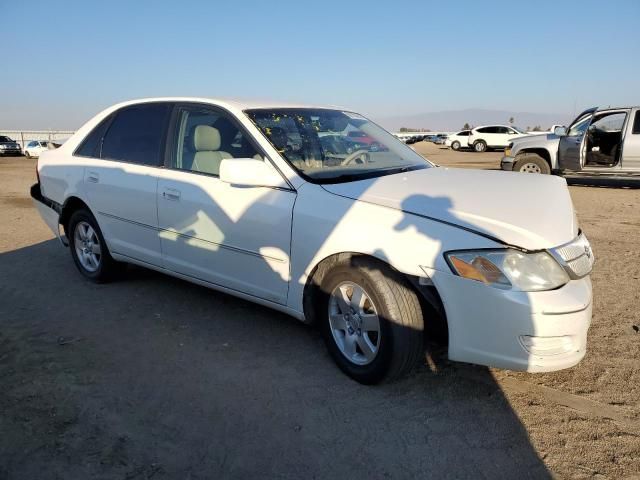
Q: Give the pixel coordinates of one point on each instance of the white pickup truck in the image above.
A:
(599, 141)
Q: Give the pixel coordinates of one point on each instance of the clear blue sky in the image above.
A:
(71, 59)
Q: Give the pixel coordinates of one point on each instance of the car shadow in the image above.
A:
(153, 376)
(604, 182)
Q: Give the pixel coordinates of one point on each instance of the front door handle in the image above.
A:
(93, 177)
(171, 194)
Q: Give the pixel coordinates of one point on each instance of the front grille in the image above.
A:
(576, 257)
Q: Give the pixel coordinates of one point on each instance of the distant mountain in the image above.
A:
(455, 119)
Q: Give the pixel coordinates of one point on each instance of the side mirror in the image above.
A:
(560, 131)
(249, 172)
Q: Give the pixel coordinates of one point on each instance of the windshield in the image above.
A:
(5, 139)
(328, 146)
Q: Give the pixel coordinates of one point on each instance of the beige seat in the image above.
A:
(206, 141)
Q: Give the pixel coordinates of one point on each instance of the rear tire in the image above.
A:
(455, 146)
(480, 146)
(531, 163)
(379, 338)
(89, 250)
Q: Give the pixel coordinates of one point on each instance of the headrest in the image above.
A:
(206, 138)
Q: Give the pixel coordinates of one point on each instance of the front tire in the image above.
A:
(455, 146)
(26, 154)
(531, 163)
(371, 320)
(480, 146)
(89, 250)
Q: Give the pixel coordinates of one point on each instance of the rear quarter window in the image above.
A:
(90, 146)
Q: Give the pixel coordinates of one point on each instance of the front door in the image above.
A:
(120, 179)
(570, 150)
(235, 237)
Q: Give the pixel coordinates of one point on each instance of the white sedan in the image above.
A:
(34, 148)
(458, 140)
(369, 246)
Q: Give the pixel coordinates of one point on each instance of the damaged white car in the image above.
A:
(373, 246)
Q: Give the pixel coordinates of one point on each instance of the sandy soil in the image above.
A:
(152, 377)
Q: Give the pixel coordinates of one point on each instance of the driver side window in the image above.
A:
(578, 129)
(204, 137)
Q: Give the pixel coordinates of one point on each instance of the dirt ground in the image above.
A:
(152, 377)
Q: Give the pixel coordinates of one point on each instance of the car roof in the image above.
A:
(492, 125)
(604, 109)
(231, 103)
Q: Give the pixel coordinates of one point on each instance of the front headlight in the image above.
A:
(509, 269)
(507, 151)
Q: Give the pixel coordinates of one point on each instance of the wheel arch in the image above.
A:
(430, 301)
(71, 204)
(543, 152)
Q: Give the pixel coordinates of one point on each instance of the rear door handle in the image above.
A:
(93, 177)
(171, 194)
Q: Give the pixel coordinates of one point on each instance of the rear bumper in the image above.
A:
(49, 211)
(507, 163)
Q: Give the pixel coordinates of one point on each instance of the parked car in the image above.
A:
(492, 137)
(360, 137)
(33, 148)
(341, 145)
(8, 146)
(602, 141)
(371, 249)
(440, 139)
(458, 140)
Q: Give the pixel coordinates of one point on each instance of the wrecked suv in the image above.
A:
(598, 141)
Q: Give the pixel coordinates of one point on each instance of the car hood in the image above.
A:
(537, 139)
(529, 211)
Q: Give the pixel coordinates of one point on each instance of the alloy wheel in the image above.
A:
(354, 323)
(87, 246)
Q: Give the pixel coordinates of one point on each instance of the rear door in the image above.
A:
(501, 138)
(571, 147)
(121, 178)
(631, 146)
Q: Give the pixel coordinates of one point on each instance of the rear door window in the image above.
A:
(137, 134)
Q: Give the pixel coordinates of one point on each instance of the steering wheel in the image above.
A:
(359, 157)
